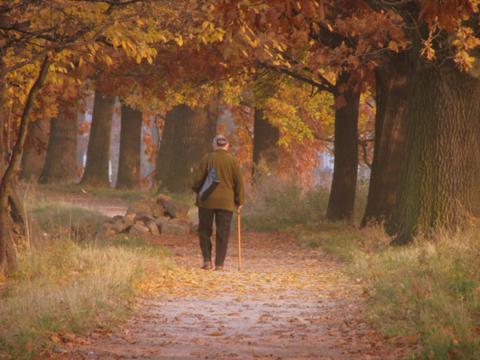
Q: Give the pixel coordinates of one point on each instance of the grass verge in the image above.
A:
(426, 295)
(62, 288)
(63, 221)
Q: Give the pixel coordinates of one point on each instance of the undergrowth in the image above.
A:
(280, 205)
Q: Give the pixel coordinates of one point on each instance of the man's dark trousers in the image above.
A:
(223, 219)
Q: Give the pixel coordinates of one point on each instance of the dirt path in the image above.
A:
(289, 302)
(107, 206)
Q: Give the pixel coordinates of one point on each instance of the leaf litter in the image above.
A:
(288, 302)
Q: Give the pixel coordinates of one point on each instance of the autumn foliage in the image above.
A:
(313, 68)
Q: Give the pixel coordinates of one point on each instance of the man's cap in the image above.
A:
(220, 140)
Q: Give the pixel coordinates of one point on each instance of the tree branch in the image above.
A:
(319, 85)
(364, 146)
(17, 151)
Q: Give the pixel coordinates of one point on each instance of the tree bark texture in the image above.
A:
(187, 136)
(342, 194)
(98, 152)
(61, 162)
(130, 145)
(265, 138)
(392, 93)
(9, 214)
(34, 154)
(440, 179)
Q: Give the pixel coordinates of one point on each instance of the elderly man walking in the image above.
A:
(220, 203)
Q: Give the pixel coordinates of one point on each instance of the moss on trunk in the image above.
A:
(441, 174)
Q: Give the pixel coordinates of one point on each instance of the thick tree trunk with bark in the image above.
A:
(440, 180)
(11, 215)
(34, 153)
(265, 138)
(187, 136)
(61, 162)
(130, 145)
(342, 194)
(392, 93)
(98, 153)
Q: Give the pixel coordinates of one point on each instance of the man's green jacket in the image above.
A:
(230, 191)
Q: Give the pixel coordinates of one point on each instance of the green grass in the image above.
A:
(279, 205)
(66, 288)
(426, 293)
(103, 192)
(130, 196)
(69, 283)
(63, 221)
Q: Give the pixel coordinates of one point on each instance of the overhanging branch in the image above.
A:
(324, 85)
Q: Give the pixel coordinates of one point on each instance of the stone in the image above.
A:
(157, 210)
(148, 206)
(153, 227)
(143, 217)
(138, 229)
(120, 226)
(173, 227)
(105, 231)
(139, 206)
(172, 209)
(115, 219)
(129, 219)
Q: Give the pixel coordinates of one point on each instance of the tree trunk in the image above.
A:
(440, 179)
(33, 157)
(61, 162)
(187, 136)
(9, 213)
(98, 152)
(342, 193)
(392, 92)
(265, 138)
(130, 145)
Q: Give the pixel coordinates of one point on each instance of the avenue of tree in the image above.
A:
(301, 67)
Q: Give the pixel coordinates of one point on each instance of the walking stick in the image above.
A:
(239, 239)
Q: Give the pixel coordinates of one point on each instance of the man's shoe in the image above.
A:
(207, 265)
(219, 268)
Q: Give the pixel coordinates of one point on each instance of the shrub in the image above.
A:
(276, 205)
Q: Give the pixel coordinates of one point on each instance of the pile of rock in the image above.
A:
(150, 216)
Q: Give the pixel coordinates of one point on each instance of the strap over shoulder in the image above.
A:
(210, 161)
